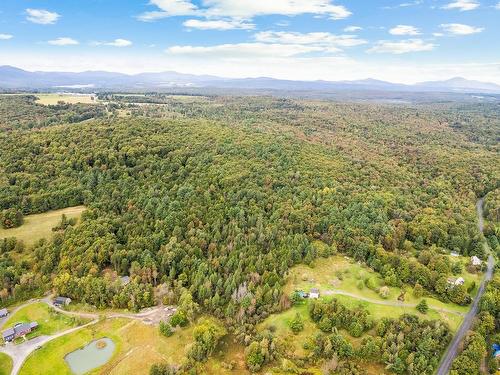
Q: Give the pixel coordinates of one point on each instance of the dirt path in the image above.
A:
(19, 353)
(387, 303)
(451, 353)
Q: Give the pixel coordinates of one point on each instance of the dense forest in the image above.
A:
(215, 198)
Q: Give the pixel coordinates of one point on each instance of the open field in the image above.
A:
(52, 99)
(137, 347)
(39, 226)
(49, 321)
(344, 274)
(5, 364)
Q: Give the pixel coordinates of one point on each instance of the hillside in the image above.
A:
(215, 199)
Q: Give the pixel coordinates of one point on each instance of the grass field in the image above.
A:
(278, 323)
(340, 273)
(49, 321)
(51, 99)
(5, 364)
(137, 347)
(40, 226)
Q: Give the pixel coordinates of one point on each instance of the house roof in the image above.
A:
(314, 290)
(33, 325)
(8, 332)
(23, 327)
(3, 311)
(61, 299)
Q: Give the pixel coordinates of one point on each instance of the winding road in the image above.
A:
(20, 352)
(451, 352)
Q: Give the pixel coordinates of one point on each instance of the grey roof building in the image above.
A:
(3, 313)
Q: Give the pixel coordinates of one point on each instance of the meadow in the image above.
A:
(53, 99)
(136, 344)
(38, 226)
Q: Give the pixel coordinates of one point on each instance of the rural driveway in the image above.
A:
(20, 352)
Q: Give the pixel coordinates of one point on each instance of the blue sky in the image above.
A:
(401, 41)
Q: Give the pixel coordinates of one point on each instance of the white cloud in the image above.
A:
(352, 29)
(404, 30)
(462, 5)
(328, 41)
(244, 50)
(249, 9)
(63, 41)
(114, 43)
(6, 36)
(245, 9)
(497, 6)
(460, 29)
(405, 5)
(218, 24)
(401, 47)
(41, 16)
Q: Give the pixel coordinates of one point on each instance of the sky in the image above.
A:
(403, 41)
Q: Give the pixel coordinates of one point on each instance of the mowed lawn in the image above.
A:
(5, 364)
(52, 99)
(138, 346)
(49, 321)
(344, 274)
(39, 226)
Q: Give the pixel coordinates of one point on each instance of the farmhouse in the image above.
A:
(3, 313)
(475, 261)
(455, 282)
(314, 293)
(61, 301)
(20, 329)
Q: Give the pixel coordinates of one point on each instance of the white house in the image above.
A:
(475, 261)
(453, 281)
(314, 293)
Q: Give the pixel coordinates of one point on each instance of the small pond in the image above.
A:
(91, 356)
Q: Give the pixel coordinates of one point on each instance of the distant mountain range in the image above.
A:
(12, 78)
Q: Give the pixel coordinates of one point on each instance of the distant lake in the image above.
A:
(91, 356)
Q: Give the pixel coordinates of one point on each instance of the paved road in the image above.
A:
(387, 303)
(20, 352)
(451, 353)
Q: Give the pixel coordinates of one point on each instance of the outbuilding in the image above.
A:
(61, 301)
(3, 313)
(314, 293)
(475, 261)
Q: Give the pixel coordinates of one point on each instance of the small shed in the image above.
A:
(61, 301)
(3, 313)
(314, 293)
(460, 281)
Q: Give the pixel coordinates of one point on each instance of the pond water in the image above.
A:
(91, 356)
